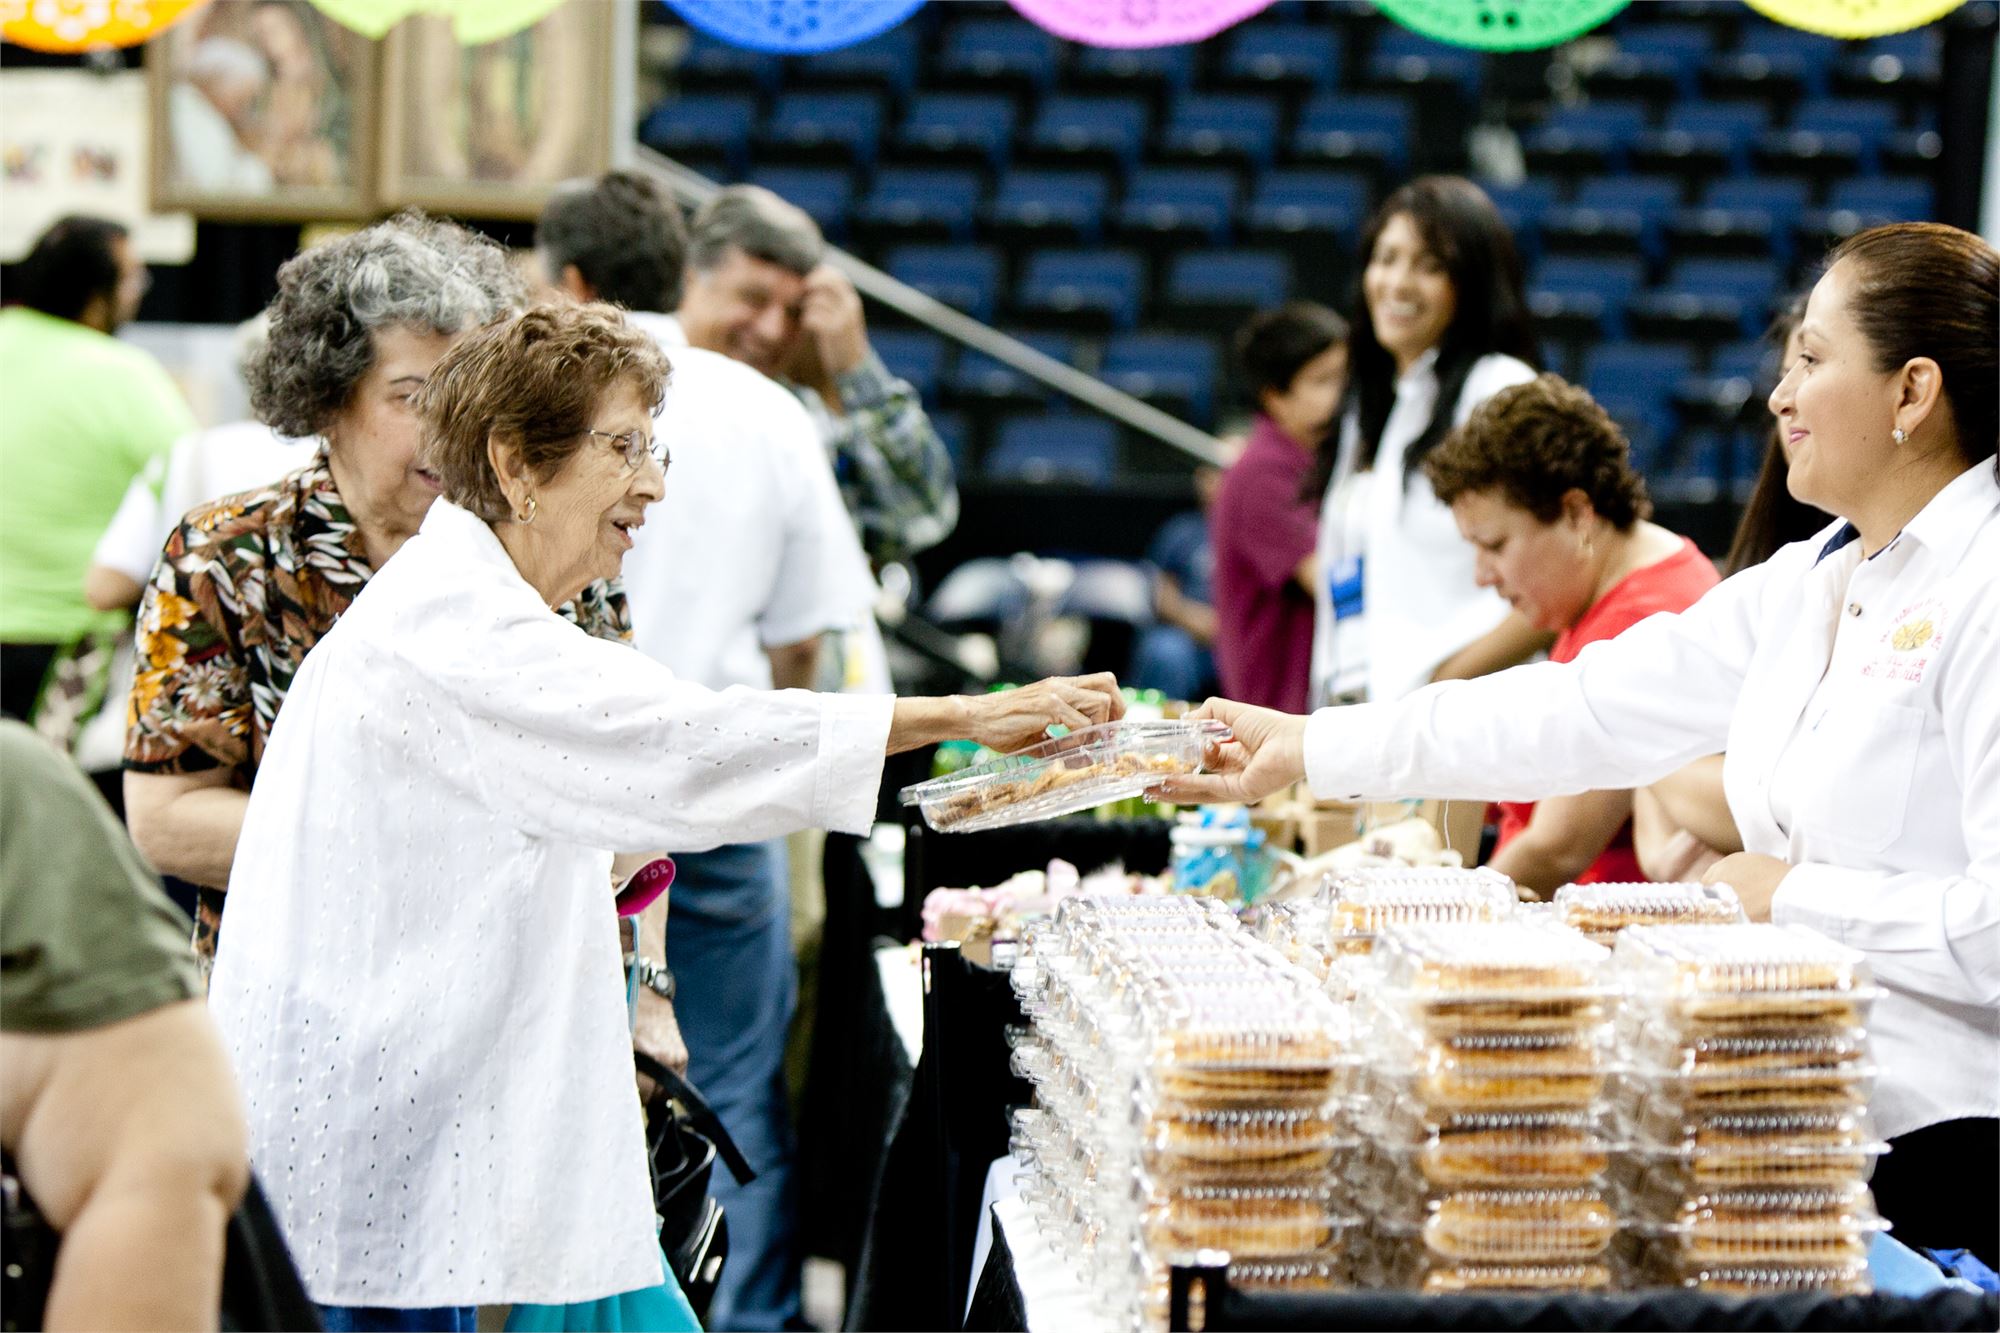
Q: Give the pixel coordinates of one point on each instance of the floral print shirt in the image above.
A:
(244, 588)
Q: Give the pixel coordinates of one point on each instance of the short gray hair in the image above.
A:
(760, 224)
(411, 272)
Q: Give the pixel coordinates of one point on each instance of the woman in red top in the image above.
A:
(1540, 482)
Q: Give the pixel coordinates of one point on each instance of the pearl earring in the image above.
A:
(1897, 435)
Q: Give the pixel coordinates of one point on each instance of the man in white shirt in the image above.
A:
(739, 571)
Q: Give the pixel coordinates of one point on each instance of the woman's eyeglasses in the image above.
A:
(635, 445)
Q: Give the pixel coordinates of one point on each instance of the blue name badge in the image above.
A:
(1345, 588)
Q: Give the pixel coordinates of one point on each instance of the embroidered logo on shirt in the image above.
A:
(1906, 650)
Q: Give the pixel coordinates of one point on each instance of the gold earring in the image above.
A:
(529, 517)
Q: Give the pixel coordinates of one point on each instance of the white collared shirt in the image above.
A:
(750, 546)
(1859, 705)
(420, 983)
(1419, 601)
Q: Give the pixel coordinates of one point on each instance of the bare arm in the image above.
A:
(1693, 799)
(655, 1028)
(1176, 608)
(1010, 719)
(1565, 834)
(1307, 574)
(1510, 643)
(187, 823)
(108, 589)
(795, 666)
(131, 1140)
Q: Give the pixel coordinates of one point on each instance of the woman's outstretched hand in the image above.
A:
(1266, 754)
(1012, 719)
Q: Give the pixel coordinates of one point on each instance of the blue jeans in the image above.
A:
(383, 1319)
(729, 943)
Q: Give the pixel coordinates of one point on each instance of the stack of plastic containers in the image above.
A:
(1189, 1096)
(1489, 1141)
(1745, 1106)
(1600, 911)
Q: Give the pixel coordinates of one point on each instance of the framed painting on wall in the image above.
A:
(263, 110)
(489, 130)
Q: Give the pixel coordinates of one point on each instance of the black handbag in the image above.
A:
(683, 1139)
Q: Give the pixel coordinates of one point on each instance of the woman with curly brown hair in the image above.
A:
(1539, 480)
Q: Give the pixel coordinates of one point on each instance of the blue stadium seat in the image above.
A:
(1288, 59)
(1655, 62)
(1086, 290)
(1613, 215)
(1699, 139)
(965, 277)
(713, 65)
(1772, 63)
(1871, 201)
(1522, 207)
(1785, 198)
(1176, 373)
(920, 203)
(1043, 207)
(1066, 447)
(955, 432)
(1405, 59)
(1635, 383)
(1581, 299)
(1732, 390)
(1904, 65)
(1595, 136)
(917, 355)
(1367, 131)
(1006, 53)
(713, 128)
(1831, 138)
(888, 61)
(957, 127)
(983, 383)
(1167, 206)
(1323, 206)
(1089, 131)
(1709, 299)
(1701, 470)
(1213, 290)
(1153, 72)
(1218, 128)
(815, 127)
(827, 193)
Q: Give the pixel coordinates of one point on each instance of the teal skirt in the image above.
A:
(661, 1309)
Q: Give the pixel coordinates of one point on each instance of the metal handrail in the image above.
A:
(693, 189)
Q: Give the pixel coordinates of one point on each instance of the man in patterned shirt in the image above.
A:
(249, 583)
(757, 290)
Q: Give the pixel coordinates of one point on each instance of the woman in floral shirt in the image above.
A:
(247, 584)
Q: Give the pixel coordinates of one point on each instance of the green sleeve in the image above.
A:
(87, 936)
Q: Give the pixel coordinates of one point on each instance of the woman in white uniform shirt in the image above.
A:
(1853, 681)
(1443, 327)
(420, 986)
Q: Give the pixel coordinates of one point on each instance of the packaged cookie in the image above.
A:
(1510, 1226)
(1447, 981)
(1752, 1227)
(1715, 980)
(1089, 767)
(1429, 1273)
(1540, 1149)
(1247, 1221)
(1698, 1152)
(1600, 911)
(1361, 904)
(1493, 1071)
(1785, 1070)
(1846, 1279)
(1183, 1145)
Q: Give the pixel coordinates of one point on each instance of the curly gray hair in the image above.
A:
(411, 272)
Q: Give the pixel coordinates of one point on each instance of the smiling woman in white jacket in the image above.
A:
(1853, 680)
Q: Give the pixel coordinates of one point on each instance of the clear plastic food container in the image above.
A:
(1735, 1228)
(1089, 767)
(1419, 1270)
(1600, 911)
(1540, 1149)
(1741, 978)
(1184, 1145)
(1828, 1071)
(1493, 1071)
(1510, 1226)
(1696, 1152)
(1847, 1279)
(1498, 977)
(1361, 904)
(1248, 1221)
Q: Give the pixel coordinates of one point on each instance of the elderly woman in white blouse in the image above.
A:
(1853, 681)
(421, 985)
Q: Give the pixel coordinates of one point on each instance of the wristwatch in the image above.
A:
(655, 977)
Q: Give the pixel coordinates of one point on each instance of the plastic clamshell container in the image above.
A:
(1497, 977)
(1180, 1145)
(1494, 1071)
(1755, 1227)
(1089, 767)
(1775, 1148)
(1540, 1149)
(1750, 977)
(1248, 1221)
(1848, 1279)
(1601, 910)
(1428, 1273)
(1361, 904)
(1506, 1225)
(1828, 1071)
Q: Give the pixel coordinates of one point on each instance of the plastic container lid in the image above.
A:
(1601, 910)
(1540, 1149)
(1509, 1225)
(1742, 975)
(1089, 767)
(1361, 904)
